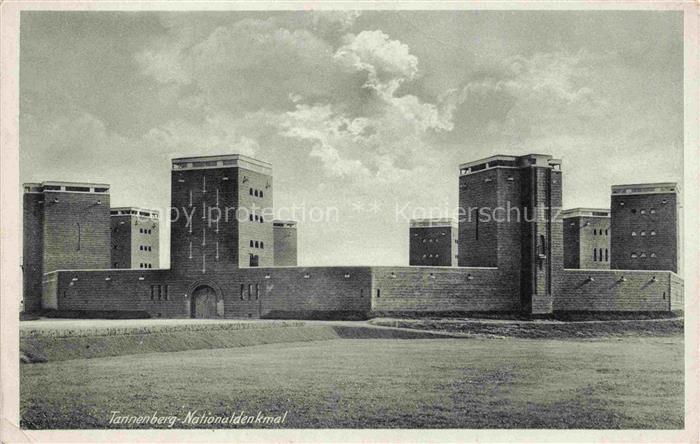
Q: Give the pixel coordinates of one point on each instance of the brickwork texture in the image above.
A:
(512, 264)
(644, 232)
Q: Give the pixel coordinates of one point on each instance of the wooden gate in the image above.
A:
(204, 302)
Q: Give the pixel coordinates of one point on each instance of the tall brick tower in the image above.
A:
(507, 220)
(221, 214)
(66, 226)
(135, 237)
(644, 224)
(586, 238)
(285, 242)
(432, 242)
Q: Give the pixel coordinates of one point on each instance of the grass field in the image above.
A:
(85, 342)
(620, 382)
(541, 329)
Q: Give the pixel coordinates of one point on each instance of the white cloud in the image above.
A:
(163, 65)
(333, 21)
(247, 65)
(216, 134)
(426, 116)
(342, 104)
(527, 99)
(328, 133)
(383, 150)
(387, 62)
(384, 144)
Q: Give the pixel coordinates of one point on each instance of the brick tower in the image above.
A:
(644, 224)
(285, 242)
(66, 226)
(221, 214)
(432, 242)
(135, 238)
(507, 220)
(586, 238)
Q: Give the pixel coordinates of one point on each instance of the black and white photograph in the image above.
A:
(344, 217)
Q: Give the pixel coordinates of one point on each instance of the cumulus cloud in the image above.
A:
(248, 65)
(525, 99)
(340, 103)
(340, 98)
(329, 134)
(383, 144)
(332, 22)
(387, 62)
(217, 134)
(383, 150)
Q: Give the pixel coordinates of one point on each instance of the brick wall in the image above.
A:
(116, 290)
(50, 291)
(252, 292)
(608, 292)
(336, 291)
(511, 185)
(572, 245)
(595, 238)
(256, 231)
(643, 214)
(587, 242)
(676, 292)
(121, 241)
(145, 232)
(76, 231)
(193, 246)
(432, 246)
(285, 246)
(541, 238)
(477, 239)
(284, 292)
(223, 194)
(32, 250)
(556, 234)
(435, 289)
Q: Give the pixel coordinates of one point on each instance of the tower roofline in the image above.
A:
(509, 161)
(585, 212)
(134, 211)
(432, 222)
(67, 187)
(646, 188)
(282, 222)
(221, 161)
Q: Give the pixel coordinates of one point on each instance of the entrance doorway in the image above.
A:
(204, 302)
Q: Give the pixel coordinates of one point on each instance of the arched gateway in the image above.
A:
(204, 302)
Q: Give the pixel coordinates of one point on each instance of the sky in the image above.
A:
(364, 115)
